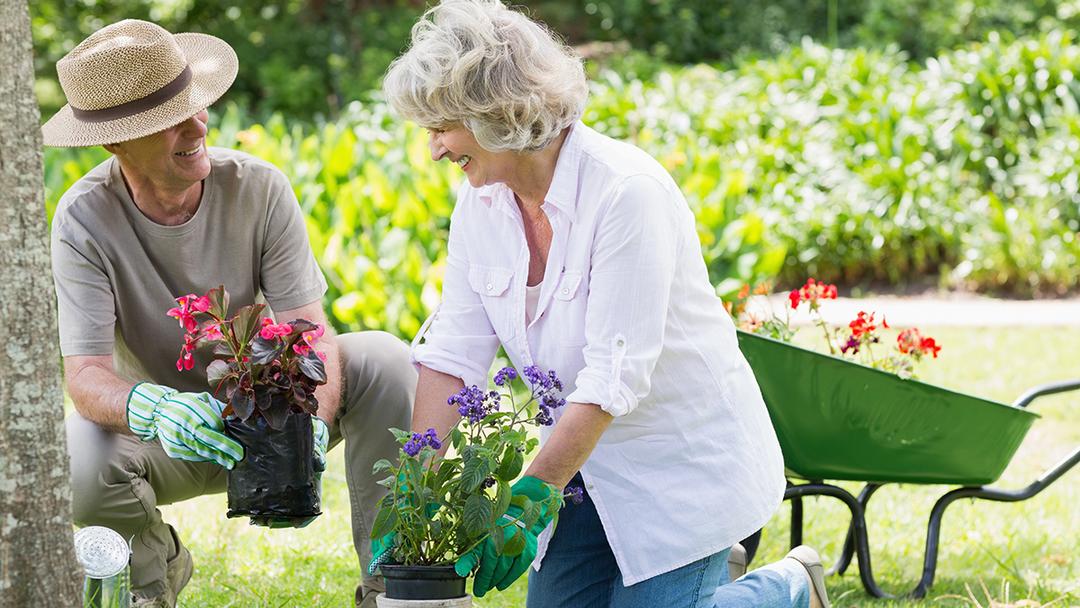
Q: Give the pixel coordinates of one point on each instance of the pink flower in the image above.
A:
(301, 349)
(270, 330)
(201, 304)
(187, 353)
(183, 312)
(212, 332)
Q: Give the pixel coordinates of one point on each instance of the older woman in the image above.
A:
(578, 253)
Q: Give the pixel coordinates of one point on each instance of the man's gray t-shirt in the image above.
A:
(117, 272)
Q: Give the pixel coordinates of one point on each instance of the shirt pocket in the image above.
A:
(569, 304)
(492, 284)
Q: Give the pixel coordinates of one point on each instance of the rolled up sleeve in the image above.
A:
(633, 267)
(458, 338)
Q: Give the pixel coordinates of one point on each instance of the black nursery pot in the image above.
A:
(277, 475)
(422, 582)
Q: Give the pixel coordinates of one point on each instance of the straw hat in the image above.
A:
(134, 78)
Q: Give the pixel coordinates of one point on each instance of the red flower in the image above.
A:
(911, 342)
(863, 324)
(812, 292)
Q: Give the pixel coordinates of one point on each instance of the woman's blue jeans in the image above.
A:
(579, 569)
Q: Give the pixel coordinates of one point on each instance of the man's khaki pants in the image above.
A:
(119, 481)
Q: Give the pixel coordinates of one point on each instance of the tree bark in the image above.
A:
(37, 555)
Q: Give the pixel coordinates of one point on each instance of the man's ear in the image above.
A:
(111, 148)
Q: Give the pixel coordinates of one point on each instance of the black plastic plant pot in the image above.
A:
(276, 478)
(422, 582)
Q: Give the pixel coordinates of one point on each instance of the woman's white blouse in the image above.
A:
(629, 321)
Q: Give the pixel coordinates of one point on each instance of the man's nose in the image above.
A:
(194, 126)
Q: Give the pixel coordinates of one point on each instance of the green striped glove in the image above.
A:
(188, 425)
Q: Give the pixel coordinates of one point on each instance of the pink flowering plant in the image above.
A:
(254, 358)
(441, 507)
(861, 340)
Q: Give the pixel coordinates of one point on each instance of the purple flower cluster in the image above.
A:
(505, 375)
(541, 382)
(548, 402)
(574, 494)
(474, 404)
(418, 442)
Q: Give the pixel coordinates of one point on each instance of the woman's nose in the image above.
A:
(436, 147)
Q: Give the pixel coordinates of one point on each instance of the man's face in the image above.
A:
(174, 158)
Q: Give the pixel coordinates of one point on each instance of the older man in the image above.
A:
(167, 216)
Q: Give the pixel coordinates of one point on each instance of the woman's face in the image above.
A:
(480, 166)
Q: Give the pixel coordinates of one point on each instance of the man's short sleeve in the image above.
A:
(85, 305)
(289, 275)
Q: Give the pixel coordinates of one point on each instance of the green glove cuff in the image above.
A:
(142, 402)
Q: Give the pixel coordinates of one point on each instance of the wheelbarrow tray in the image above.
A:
(839, 420)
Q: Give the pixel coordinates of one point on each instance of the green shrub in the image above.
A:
(851, 166)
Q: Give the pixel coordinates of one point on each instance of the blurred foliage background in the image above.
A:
(869, 142)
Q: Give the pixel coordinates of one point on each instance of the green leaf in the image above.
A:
(219, 301)
(476, 516)
(533, 510)
(502, 500)
(516, 544)
(511, 465)
(381, 465)
(384, 522)
(474, 472)
(246, 322)
(498, 537)
(458, 439)
(400, 435)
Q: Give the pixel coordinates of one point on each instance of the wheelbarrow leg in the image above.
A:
(849, 542)
(796, 522)
(857, 528)
(933, 530)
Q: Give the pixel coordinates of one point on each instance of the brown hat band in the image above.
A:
(137, 106)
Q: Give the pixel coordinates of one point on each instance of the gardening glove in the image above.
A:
(382, 549)
(188, 425)
(500, 571)
(321, 434)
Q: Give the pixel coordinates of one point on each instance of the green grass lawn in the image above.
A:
(1031, 546)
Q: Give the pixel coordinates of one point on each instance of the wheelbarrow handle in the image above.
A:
(1042, 390)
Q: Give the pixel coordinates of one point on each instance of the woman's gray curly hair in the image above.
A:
(506, 78)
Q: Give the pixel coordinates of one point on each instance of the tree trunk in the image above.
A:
(37, 555)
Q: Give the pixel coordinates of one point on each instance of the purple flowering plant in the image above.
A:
(440, 507)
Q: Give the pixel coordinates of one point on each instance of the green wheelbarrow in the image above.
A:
(837, 420)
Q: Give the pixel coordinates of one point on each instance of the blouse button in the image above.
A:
(620, 342)
(490, 287)
(565, 291)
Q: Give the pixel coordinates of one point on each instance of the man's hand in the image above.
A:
(188, 425)
(500, 571)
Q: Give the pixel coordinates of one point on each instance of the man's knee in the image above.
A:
(88, 449)
(376, 357)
